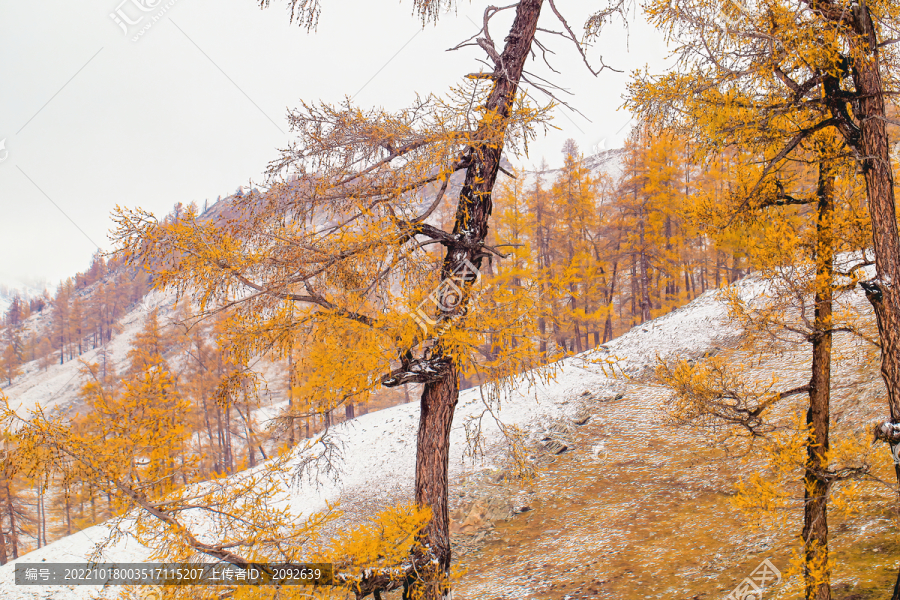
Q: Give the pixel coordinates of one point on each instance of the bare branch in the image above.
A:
(578, 44)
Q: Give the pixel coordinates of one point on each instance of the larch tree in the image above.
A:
(803, 256)
(592, 242)
(754, 124)
(794, 250)
(579, 276)
(341, 243)
(11, 347)
(135, 428)
(650, 203)
(834, 61)
(773, 76)
(13, 513)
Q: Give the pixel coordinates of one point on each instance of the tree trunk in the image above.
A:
(438, 404)
(93, 504)
(815, 522)
(41, 523)
(610, 306)
(645, 281)
(718, 269)
(222, 456)
(873, 146)
(217, 456)
(634, 287)
(291, 441)
(229, 449)
(670, 280)
(248, 428)
(543, 260)
(68, 507)
(876, 164)
(439, 397)
(574, 306)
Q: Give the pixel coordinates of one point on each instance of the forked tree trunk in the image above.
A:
(470, 226)
(815, 521)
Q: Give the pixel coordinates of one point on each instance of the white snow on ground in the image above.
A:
(378, 449)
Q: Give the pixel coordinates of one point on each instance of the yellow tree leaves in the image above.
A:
(335, 258)
(383, 542)
(330, 263)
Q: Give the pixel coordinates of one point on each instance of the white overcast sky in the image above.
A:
(196, 107)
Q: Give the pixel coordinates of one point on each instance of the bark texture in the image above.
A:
(815, 517)
(438, 404)
(867, 135)
(873, 146)
(470, 230)
(874, 149)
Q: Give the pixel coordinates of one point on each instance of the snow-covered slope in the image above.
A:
(58, 385)
(378, 449)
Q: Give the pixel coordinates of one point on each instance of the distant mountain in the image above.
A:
(28, 288)
(608, 162)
